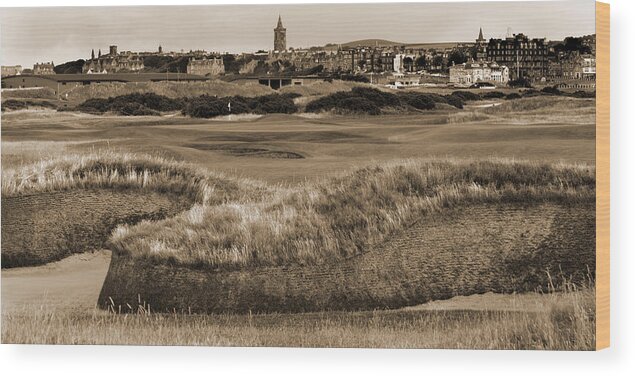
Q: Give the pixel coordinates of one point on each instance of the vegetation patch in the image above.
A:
(364, 100)
(22, 104)
(343, 217)
(566, 321)
(203, 106)
(132, 188)
(539, 103)
(131, 104)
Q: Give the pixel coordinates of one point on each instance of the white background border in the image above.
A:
(619, 359)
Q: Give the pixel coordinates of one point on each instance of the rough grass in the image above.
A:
(342, 217)
(169, 89)
(44, 92)
(540, 103)
(113, 170)
(565, 322)
(236, 222)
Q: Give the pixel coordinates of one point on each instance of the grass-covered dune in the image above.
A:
(387, 236)
(71, 204)
(391, 235)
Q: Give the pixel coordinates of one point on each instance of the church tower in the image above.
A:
(481, 47)
(279, 37)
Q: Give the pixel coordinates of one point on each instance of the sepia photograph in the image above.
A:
(380, 175)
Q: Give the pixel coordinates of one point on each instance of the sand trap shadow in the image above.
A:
(241, 150)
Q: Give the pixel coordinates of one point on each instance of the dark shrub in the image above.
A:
(582, 94)
(94, 105)
(150, 100)
(291, 95)
(418, 101)
(327, 102)
(353, 77)
(273, 104)
(551, 90)
(511, 96)
(520, 82)
(466, 95)
(532, 93)
(358, 105)
(15, 104)
(436, 98)
(493, 95)
(455, 101)
(132, 104)
(206, 106)
(135, 109)
(338, 101)
(379, 98)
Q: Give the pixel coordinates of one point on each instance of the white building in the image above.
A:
(478, 71)
(206, 67)
(397, 63)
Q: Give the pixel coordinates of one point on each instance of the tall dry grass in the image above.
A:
(565, 322)
(540, 104)
(342, 217)
(113, 170)
(169, 89)
(42, 92)
(237, 222)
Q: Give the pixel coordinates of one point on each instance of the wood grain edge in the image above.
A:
(603, 176)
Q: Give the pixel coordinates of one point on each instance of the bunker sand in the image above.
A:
(71, 284)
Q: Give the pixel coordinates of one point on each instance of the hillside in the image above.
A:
(388, 43)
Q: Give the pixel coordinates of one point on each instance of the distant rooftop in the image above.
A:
(120, 77)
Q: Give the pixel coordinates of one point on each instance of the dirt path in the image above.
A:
(70, 284)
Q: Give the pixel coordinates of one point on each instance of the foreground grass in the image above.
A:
(567, 322)
(342, 217)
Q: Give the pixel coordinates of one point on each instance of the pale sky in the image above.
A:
(62, 34)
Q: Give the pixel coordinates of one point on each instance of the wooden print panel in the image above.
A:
(602, 140)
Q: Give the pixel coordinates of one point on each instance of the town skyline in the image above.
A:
(24, 30)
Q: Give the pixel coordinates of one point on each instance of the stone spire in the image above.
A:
(92, 54)
(99, 53)
(481, 47)
(279, 37)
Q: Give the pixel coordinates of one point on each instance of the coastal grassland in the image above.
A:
(168, 89)
(565, 321)
(341, 217)
(545, 109)
(75, 201)
(120, 171)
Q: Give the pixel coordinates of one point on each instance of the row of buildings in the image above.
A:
(495, 60)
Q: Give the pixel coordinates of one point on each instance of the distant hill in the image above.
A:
(372, 42)
(388, 43)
